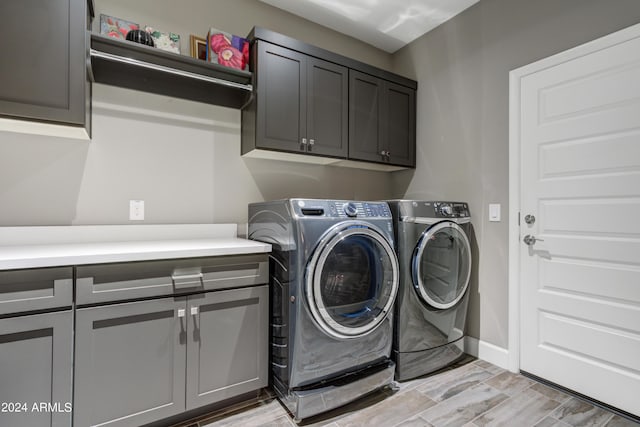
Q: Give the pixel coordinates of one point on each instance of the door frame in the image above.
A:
(515, 77)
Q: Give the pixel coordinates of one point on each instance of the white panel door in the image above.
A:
(580, 178)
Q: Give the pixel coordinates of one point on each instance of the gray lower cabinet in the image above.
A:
(227, 344)
(139, 362)
(35, 370)
(44, 54)
(129, 363)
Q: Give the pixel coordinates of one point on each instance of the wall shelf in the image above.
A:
(136, 66)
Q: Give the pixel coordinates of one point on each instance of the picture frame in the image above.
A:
(198, 47)
(166, 41)
(118, 28)
(227, 49)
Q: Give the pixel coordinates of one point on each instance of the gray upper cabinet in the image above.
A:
(35, 368)
(43, 68)
(382, 121)
(301, 104)
(365, 124)
(326, 107)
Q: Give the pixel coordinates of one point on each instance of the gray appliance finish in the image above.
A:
(333, 282)
(434, 254)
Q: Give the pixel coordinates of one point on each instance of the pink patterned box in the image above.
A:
(227, 49)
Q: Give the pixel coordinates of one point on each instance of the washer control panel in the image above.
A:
(340, 209)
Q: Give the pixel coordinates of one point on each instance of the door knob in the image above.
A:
(530, 240)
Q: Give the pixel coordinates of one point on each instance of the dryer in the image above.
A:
(434, 254)
(334, 277)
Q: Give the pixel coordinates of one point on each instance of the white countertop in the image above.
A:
(34, 247)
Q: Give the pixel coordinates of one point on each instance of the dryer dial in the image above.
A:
(350, 209)
(445, 209)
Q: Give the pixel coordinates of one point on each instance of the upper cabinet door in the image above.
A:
(281, 94)
(399, 124)
(365, 126)
(327, 108)
(382, 121)
(43, 67)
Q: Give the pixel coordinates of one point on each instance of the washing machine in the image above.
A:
(434, 253)
(334, 278)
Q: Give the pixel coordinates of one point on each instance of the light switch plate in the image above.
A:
(494, 212)
(136, 210)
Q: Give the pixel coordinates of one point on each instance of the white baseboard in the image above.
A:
(489, 352)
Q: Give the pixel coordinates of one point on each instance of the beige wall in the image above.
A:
(463, 69)
(182, 158)
(237, 17)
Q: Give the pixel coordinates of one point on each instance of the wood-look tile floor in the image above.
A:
(472, 393)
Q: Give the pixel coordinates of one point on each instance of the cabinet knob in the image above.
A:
(383, 153)
(194, 311)
(181, 312)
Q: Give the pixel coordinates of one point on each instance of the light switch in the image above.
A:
(494, 212)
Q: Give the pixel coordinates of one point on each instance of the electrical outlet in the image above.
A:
(136, 210)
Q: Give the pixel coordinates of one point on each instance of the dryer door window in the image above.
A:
(352, 280)
(441, 265)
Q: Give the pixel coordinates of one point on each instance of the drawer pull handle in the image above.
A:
(187, 280)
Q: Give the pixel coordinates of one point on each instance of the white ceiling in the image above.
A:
(386, 24)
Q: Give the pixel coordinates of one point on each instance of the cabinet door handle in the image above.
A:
(181, 312)
(303, 144)
(194, 311)
(311, 143)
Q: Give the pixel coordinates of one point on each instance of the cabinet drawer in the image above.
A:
(35, 289)
(125, 281)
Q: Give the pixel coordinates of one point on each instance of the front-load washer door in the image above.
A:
(441, 265)
(351, 280)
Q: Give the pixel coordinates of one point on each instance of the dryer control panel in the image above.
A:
(451, 210)
(340, 208)
(428, 209)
